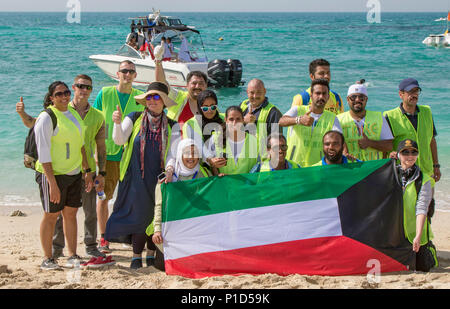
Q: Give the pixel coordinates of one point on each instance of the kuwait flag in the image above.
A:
(324, 220)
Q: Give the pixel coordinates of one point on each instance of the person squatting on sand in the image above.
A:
(187, 167)
(150, 138)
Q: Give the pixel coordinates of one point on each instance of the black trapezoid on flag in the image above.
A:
(371, 212)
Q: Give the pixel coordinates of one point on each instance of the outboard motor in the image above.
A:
(235, 73)
(218, 73)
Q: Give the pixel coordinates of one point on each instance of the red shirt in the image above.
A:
(185, 115)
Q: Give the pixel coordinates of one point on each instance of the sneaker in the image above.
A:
(99, 262)
(50, 264)
(95, 253)
(104, 246)
(74, 261)
(86, 264)
(136, 263)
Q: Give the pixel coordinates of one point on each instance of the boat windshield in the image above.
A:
(128, 51)
(174, 22)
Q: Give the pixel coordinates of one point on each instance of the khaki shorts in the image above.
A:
(112, 178)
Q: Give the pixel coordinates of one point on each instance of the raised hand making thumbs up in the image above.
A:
(117, 115)
(306, 119)
(27, 120)
(364, 142)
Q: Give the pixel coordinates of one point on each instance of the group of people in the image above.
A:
(142, 139)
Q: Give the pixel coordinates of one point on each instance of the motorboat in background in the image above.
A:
(439, 40)
(188, 55)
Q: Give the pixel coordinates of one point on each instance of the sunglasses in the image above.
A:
(62, 93)
(409, 152)
(126, 71)
(207, 108)
(360, 96)
(155, 97)
(282, 147)
(83, 86)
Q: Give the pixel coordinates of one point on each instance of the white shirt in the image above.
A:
(43, 130)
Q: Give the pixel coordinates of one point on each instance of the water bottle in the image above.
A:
(101, 194)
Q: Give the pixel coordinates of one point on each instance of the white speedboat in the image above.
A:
(186, 57)
(439, 40)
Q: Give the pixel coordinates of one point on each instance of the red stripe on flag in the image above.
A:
(327, 256)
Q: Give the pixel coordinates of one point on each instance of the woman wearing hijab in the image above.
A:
(148, 137)
(233, 151)
(187, 167)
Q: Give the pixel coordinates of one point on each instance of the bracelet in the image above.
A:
(103, 173)
(437, 165)
(297, 120)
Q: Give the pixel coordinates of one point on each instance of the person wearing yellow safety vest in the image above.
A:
(94, 142)
(187, 167)
(367, 133)
(201, 126)
(276, 150)
(233, 151)
(108, 100)
(417, 196)
(149, 138)
(61, 160)
(333, 149)
(186, 101)
(260, 116)
(411, 121)
(320, 68)
(308, 124)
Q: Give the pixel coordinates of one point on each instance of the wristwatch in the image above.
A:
(88, 170)
(103, 173)
(437, 165)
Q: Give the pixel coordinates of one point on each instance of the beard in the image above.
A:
(334, 158)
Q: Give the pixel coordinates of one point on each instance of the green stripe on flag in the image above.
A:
(212, 195)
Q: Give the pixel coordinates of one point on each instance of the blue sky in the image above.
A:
(227, 5)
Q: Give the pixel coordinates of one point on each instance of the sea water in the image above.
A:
(39, 48)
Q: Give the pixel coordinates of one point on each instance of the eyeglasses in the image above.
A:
(126, 71)
(361, 97)
(413, 92)
(409, 152)
(62, 93)
(155, 97)
(207, 108)
(277, 148)
(83, 86)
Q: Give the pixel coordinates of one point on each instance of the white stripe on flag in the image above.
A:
(251, 227)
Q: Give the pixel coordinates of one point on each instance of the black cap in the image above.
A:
(408, 84)
(407, 143)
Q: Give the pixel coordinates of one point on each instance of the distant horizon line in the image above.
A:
(164, 12)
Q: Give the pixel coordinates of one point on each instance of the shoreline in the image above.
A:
(21, 256)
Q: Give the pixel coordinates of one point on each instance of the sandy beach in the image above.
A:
(21, 256)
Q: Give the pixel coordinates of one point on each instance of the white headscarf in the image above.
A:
(180, 168)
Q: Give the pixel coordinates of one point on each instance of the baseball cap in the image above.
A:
(408, 84)
(357, 88)
(407, 144)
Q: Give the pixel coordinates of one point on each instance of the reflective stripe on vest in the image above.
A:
(409, 213)
(403, 129)
(247, 158)
(373, 122)
(174, 112)
(128, 147)
(93, 121)
(66, 144)
(305, 147)
(110, 101)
